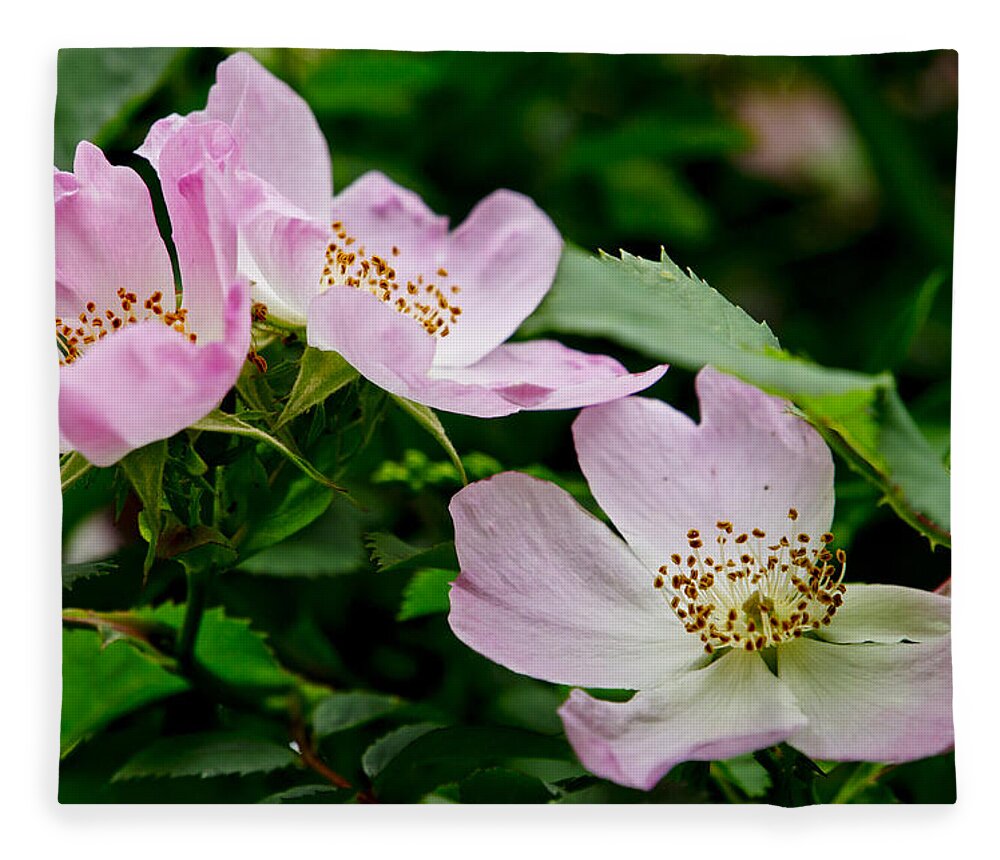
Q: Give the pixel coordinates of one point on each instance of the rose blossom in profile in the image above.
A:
(138, 362)
(725, 607)
(376, 276)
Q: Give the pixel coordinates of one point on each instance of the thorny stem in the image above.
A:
(311, 758)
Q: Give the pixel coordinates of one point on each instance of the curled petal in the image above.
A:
(544, 374)
(885, 703)
(658, 474)
(278, 135)
(733, 706)
(106, 236)
(547, 590)
(195, 168)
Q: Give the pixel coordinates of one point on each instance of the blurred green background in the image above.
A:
(816, 193)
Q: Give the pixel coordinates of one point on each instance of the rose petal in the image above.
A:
(147, 382)
(888, 613)
(392, 351)
(503, 258)
(544, 374)
(106, 236)
(547, 590)
(733, 706)
(657, 474)
(194, 168)
(281, 250)
(279, 137)
(883, 703)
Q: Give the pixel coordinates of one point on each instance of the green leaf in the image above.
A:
(220, 422)
(205, 755)
(72, 573)
(310, 794)
(231, 651)
(342, 711)
(144, 470)
(889, 350)
(389, 553)
(746, 773)
(226, 647)
(387, 747)
(427, 418)
(656, 309)
(329, 546)
(72, 469)
(99, 89)
(426, 593)
(302, 503)
(450, 754)
(501, 785)
(321, 373)
(101, 684)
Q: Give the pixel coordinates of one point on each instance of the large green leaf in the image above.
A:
(661, 311)
(238, 655)
(341, 711)
(331, 545)
(205, 755)
(387, 747)
(303, 502)
(101, 684)
(321, 373)
(449, 754)
(502, 785)
(99, 89)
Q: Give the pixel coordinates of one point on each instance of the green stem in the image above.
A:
(197, 598)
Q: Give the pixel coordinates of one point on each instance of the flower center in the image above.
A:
(74, 336)
(349, 265)
(751, 594)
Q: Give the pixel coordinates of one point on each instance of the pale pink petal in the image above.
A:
(657, 474)
(281, 250)
(392, 351)
(544, 374)
(106, 236)
(279, 137)
(547, 590)
(393, 223)
(195, 169)
(386, 347)
(503, 258)
(147, 382)
(881, 703)
(889, 613)
(160, 132)
(733, 706)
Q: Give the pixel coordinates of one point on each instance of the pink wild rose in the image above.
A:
(137, 362)
(375, 275)
(725, 606)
